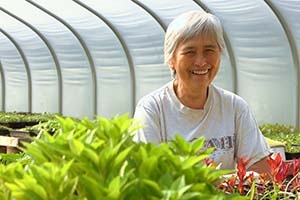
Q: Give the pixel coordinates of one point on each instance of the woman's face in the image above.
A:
(196, 61)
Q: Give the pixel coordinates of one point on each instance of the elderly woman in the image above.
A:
(190, 105)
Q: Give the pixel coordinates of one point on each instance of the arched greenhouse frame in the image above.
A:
(84, 58)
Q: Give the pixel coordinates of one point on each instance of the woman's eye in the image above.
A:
(210, 50)
(189, 52)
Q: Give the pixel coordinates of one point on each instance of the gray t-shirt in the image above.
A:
(226, 122)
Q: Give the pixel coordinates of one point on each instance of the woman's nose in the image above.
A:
(200, 60)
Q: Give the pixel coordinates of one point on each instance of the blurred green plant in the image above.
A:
(287, 134)
(7, 117)
(98, 159)
(50, 126)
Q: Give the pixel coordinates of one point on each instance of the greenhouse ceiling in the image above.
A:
(99, 57)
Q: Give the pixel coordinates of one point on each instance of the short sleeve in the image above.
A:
(250, 143)
(146, 115)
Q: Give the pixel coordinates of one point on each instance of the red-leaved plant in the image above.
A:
(280, 169)
(242, 181)
(286, 177)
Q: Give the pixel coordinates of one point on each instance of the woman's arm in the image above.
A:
(262, 167)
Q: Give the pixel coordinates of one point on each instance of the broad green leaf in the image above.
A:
(166, 180)
(91, 189)
(152, 187)
(114, 188)
(121, 157)
(67, 190)
(148, 166)
(218, 174)
(26, 185)
(42, 175)
(91, 155)
(183, 147)
(191, 161)
(197, 145)
(178, 183)
(190, 195)
(76, 146)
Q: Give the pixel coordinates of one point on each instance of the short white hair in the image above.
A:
(189, 25)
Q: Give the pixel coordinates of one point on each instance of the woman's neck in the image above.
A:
(191, 97)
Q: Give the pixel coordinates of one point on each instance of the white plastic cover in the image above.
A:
(99, 57)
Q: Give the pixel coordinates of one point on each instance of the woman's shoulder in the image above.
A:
(228, 96)
(155, 96)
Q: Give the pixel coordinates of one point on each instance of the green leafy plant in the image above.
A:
(6, 117)
(50, 126)
(98, 159)
(287, 134)
(4, 130)
(11, 158)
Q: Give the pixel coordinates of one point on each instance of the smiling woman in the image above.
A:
(192, 106)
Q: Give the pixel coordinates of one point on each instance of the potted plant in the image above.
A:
(17, 120)
(285, 183)
(286, 134)
(17, 127)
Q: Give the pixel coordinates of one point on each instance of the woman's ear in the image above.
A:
(171, 64)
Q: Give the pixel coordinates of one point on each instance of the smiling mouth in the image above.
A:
(199, 72)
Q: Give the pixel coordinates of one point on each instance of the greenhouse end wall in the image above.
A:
(99, 57)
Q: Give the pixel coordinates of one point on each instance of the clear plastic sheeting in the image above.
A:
(265, 71)
(97, 57)
(14, 75)
(144, 39)
(288, 12)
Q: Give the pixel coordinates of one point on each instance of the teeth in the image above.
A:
(199, 72)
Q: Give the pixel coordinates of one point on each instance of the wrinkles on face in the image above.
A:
(196, 61)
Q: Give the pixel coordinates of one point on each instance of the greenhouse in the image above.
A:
(73, 73)
(99, 57)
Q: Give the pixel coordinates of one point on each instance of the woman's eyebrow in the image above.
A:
(187, 48)
(190, 47)
(212, 46)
